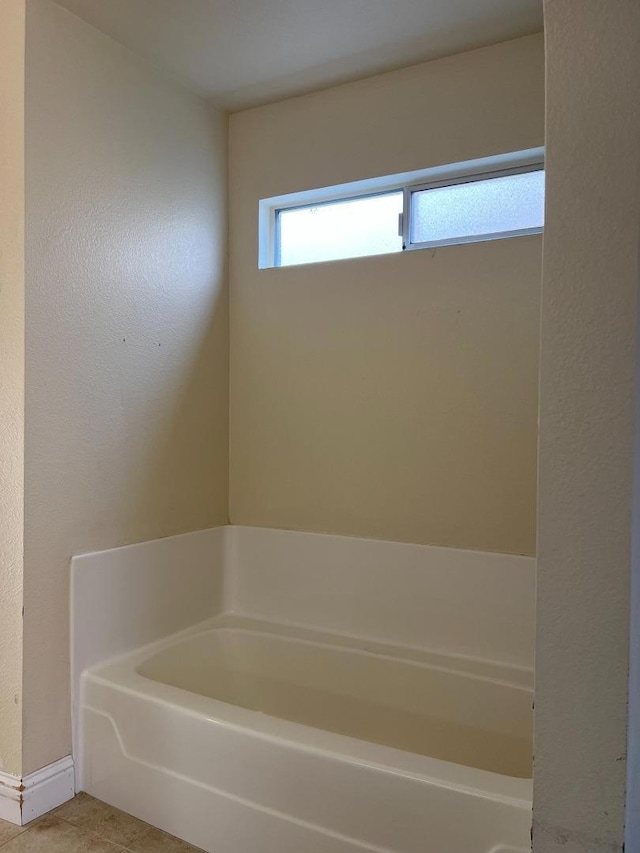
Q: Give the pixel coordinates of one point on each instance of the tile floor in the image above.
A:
(86, 825)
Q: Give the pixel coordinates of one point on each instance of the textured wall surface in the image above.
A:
(12, 42)
(392, 397)
(127, 334)
(12, 34)
(588, 355)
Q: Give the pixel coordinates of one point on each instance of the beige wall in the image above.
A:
(12, 35)
(127, 328)
(588, 364)
(392, 397)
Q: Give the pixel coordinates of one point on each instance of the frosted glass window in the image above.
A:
(480, 208)
(340, 229)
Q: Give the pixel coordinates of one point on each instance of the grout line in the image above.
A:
(117, 848)
(22, 831)
(84, 833)
(89, 834)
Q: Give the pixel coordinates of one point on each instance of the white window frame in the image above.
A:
(471, 171)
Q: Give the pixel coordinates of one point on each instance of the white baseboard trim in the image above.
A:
(23, 799)
(11, 798)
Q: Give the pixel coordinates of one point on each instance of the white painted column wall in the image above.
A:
(12, 46)
(586, 446)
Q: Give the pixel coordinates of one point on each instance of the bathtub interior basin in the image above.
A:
(420, 703)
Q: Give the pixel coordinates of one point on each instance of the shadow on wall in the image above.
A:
(127, 339)
(177, 454)
(151, 463)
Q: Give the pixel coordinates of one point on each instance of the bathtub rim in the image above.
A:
(507, 674)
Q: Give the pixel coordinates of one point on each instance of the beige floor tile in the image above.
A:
(101, 820)
(156, 841)
(8, 831)
(52, 835)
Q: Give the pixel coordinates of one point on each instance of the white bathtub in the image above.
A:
(244, 736)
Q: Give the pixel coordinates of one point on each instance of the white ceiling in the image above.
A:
(239, 53)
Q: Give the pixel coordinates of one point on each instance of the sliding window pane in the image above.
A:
(472, 210)
(341, 229)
